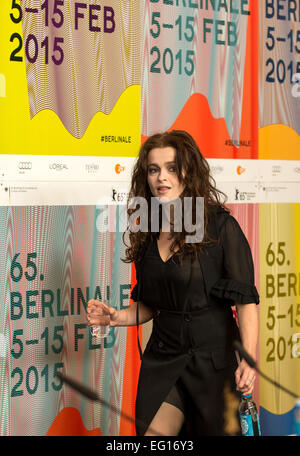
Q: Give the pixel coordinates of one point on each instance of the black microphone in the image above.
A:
(252, 363)
(93, 396)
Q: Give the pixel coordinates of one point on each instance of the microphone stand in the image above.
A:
(93, 396)
(252, 363)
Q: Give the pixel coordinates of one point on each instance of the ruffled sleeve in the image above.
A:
(237, 282)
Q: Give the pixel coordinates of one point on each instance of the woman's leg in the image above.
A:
(167, 421)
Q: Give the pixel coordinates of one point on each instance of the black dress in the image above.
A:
(193, 327)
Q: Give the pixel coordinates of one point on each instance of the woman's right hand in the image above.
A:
(99, 314)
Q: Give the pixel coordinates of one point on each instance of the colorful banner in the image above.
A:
(70, 77)
(81, 85)
(56, 259)
(280, 309)
(65, 259)
(279, 80)
(70, 129)
(279, 143)
(199, 73)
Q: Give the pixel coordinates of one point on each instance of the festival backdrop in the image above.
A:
(279, 145)
(70, 127)
(82, 84)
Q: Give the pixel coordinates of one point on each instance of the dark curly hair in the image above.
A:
(197, 182)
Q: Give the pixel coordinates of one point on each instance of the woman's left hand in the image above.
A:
(245, 378)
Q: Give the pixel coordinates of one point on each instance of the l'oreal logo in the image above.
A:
(58, 166)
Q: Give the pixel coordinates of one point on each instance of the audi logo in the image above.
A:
(25, 165)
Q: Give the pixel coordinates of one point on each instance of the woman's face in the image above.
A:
(162, 176)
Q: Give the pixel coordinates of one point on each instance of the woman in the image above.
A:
(188, 290)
